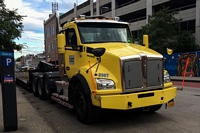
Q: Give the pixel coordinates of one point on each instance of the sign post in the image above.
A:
(8, 85)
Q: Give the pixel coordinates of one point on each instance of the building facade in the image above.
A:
(32, 60)
(50, 42)
(136, 12)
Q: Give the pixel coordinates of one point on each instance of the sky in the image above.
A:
(36, 11)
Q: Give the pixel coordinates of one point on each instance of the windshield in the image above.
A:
(104, 32)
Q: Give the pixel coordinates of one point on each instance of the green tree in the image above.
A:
(164, 31)
(18, 59)
(11, 27)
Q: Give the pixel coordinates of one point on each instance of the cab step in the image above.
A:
(61, 99)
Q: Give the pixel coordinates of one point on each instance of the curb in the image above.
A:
(185, 80)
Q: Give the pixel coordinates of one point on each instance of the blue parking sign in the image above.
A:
(8, 61)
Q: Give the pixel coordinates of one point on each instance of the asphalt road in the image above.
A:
(184, 117)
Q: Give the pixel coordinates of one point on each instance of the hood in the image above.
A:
(125, 49)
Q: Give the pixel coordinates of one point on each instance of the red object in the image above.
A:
(185, 72)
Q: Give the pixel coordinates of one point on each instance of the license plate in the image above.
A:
(171, 104)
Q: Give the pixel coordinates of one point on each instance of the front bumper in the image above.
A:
(137, 100)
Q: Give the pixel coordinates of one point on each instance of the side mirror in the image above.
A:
(61, 40)
(61, 43)
(98, 52)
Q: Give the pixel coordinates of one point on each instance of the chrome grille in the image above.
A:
(133, 75)
(154, 73)
(142, 73)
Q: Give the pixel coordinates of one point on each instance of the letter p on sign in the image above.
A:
(8, 61)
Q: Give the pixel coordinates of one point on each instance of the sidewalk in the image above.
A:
(29, 120)
(186, 79)
(193, 82)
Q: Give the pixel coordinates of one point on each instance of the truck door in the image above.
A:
(72, 56)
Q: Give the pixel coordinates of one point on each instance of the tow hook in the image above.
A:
(129, 104)
(146, 108)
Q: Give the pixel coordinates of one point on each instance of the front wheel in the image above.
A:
(85, 111)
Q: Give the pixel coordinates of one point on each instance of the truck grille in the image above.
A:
(142, 73)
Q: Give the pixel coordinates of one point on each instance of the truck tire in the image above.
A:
(41, 91)
(49, 88)
(85, 111)
(49, 79)
(34, 86)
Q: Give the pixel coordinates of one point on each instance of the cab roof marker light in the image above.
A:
(82, 17)
(117, 18)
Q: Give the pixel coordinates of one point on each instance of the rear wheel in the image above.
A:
(85, 111)
(46, 88)
(34, 86)
(49, 87)
(49, 79)
(41, 91)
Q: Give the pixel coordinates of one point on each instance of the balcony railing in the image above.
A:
(127, 3)
(183, 8)
(137, 19)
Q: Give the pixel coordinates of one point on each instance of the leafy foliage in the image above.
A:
(11, 27)
(165, 32)
(18, 59)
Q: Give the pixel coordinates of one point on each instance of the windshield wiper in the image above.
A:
(94, 42)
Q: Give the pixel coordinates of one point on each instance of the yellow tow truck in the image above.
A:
(101, 68)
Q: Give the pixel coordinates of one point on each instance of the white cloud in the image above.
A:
(36, 11)
(34, 19)
(36, 14)
(30, 36)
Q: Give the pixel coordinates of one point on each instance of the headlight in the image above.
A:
(166, 77)
(103, 84)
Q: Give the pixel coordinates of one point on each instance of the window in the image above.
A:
(71, 37)
(104, 32)
(136, 34)
(49, 48)
(52, 29)
(188, 25)
(52, 46)
(47, 32)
